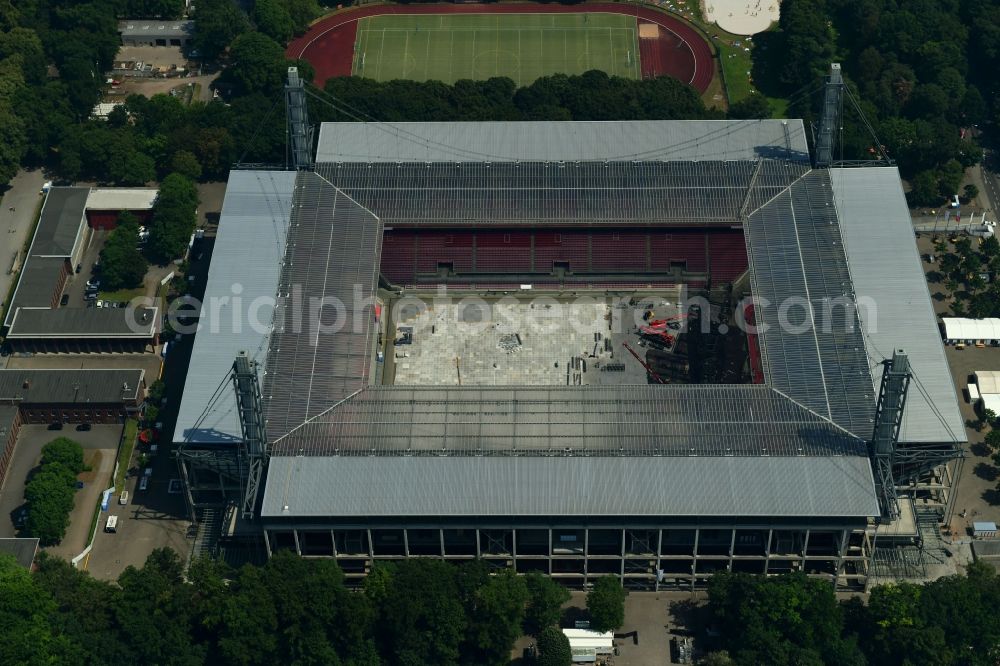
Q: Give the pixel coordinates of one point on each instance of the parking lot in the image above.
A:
(153, 518)
(100, 445)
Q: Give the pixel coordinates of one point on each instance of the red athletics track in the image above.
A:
(679, 51)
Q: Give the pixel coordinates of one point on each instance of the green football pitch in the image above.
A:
(523, 47)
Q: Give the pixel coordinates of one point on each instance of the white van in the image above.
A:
(143, 483)
(123, 499)
(112, 524)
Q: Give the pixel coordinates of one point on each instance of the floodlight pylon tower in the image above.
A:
(888, 420)
(300, 133)
(833, 99)
(253, 449)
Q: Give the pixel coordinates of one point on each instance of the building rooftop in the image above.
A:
(22, 550)
(140, 322)
(142, 28)
(70, 387)
(61, 222)
(121, 198)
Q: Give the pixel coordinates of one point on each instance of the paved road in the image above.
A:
(991, 186)
(23, 197)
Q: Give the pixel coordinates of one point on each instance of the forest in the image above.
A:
(925, 74)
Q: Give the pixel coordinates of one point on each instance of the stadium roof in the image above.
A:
(79, 323)
(553, 141)
(252, 231)
(886, 271)
(689, 193)
(765, 487)
(343, 447)
(668, 420)
(70, 387)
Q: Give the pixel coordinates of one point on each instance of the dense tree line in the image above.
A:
(290, 610)
(794, 619)
(923, 70)
(50, 490)
(419, 612)
(592, 95)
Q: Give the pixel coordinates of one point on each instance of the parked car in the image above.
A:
(90, 296)
(101, 304)
(143, 483)
(64, 300)
(56, 425)
(79, 268)
(19, 517)
(93, 283)
(83, 427)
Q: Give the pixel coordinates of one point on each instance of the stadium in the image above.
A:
(654, 350)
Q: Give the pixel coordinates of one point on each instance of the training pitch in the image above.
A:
(522, 47)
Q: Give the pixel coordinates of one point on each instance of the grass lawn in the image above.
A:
(523, 47)
(125, 451)
(122, 294)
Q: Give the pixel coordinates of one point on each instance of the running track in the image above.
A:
(680, 51)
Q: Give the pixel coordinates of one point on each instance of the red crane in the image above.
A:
(643, 363)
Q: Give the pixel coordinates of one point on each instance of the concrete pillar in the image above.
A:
(333, 542)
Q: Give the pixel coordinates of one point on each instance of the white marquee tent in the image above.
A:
(969, 331)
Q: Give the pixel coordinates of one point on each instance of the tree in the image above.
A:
(606, 603)
(752, 106)
(258, 64)
(302, 13)
(186, 164)
(422, 620)
(553, 648)
(25, 637)
(545, 600)
(173, 218)
(924, 189)
(272, 19)
(719, 658)
(64, 451)
(49, 494)
(992, 439)
(495, 615)
(122, 264)
(216, 24)
(970, 192)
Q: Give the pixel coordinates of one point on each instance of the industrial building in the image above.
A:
(838, 429)
(35, 320)
(66, 396)
(156, 33)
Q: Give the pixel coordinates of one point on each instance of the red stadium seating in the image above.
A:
(409, 254)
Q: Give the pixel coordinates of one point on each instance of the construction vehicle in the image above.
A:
(649, 370)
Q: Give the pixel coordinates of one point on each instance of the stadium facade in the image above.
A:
(661, 485)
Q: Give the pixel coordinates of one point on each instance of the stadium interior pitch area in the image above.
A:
(522, 47)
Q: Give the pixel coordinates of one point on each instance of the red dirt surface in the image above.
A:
(680, 50)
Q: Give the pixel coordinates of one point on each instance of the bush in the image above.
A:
(553, 648)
